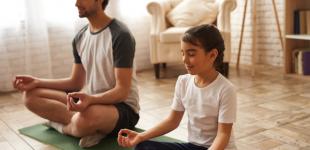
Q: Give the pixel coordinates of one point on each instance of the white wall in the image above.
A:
(136, 17)
(269, 50)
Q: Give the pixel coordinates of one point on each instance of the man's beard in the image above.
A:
(83, 15)
(87, 13)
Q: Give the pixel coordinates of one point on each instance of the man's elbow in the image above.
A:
(123, 97)
(123, 94)
(75, 85)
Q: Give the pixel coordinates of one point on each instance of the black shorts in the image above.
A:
(128, 118)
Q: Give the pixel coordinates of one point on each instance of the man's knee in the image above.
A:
(88, 121)
(29, 98)
(81, 125)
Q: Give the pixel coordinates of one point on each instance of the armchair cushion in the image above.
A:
(193, 12)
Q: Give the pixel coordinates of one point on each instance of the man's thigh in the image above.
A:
(50, 94)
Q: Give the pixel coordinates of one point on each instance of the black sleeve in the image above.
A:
(77, 58)
(124, 50)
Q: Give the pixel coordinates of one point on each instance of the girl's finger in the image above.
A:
(118, 139)
(124, 142)
(127, 142)
(125, 131)
(121, 132)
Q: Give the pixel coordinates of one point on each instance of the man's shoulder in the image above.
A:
(119, 28)
(118, 24)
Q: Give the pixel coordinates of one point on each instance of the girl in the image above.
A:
(207, 96)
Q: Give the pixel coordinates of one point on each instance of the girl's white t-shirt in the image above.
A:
(205, 107)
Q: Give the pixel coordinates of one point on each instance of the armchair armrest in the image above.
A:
(158, 10)
(223, 18)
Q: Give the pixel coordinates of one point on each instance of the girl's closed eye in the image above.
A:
(191, 53)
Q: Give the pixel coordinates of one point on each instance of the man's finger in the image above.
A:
(20, 77)
(76, 95)
(14, 82)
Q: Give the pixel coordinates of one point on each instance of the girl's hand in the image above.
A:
(78, 101)
(128, 138)
(25, 82)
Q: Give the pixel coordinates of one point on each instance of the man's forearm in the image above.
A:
(64, 84)
(113, 96)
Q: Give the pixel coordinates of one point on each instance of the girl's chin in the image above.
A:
(191, 72)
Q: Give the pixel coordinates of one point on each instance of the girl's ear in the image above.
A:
(213, 53)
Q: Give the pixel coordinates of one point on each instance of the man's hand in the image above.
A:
(78, 101)
(25, 82)
(128, 138)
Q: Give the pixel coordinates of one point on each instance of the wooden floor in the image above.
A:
(273, 110)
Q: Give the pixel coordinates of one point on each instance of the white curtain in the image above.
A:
(25, 42)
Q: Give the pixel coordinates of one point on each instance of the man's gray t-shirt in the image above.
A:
(101, 52)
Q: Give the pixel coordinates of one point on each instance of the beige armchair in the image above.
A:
(165, 39)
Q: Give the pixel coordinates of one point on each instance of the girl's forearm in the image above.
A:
(169, 124)
(164, 127)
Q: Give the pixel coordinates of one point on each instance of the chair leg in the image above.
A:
(164, 65)
(157, 70)
(226, 69)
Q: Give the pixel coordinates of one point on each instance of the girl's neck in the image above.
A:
(205, 78)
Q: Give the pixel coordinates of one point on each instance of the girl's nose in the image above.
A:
(185, 59)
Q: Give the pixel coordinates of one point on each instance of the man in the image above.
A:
(103, 52)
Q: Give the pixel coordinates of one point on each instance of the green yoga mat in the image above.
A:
(50, 136)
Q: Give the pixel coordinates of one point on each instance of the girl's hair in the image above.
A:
(104, 4)
(208, 37)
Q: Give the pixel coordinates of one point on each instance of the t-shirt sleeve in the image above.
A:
(228, 106)
(177, 104)
(124, 50)
(77, 58)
